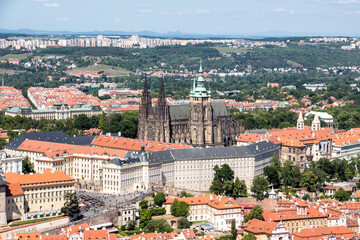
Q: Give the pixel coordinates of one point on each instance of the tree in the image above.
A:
(183, 223)
(131, 225)
(143, 204)
(306, 197)
(342, 195)
(2, 143)
(159, 225)
(145, 216)
(185, 194)
(179, 208)
(290, 174)
(256, 212)
(259, 186)
(239, 189)
(159, 198)
(224, 173)
(249, 236)
(71, 207)
(27, 166)
(217, 187)
(103, 122)
(233, 230)
(272, 172)
(309, 180)
(223, 178)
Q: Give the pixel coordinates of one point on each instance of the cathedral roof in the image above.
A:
(210, 153)
(181, 111)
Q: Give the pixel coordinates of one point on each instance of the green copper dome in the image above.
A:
(199, 89)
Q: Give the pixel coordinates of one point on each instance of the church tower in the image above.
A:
(315, 125)
(162, 117)
(145, 112)
(300, 121)
(200, 122)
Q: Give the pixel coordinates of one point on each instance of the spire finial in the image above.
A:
(200, 69)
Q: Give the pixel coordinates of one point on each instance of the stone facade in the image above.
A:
(10, 164)
(200, 123)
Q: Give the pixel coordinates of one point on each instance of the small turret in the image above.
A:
(300, 121)
(315, 125)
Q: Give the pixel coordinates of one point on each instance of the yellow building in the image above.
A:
(44, 191)
(298, 218)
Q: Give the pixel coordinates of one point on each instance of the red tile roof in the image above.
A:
(52, 150)
(260, 227)
(48, 176)
(210, 200)
(321, 232)
(291, 214)
(14, 189)
(134, 144)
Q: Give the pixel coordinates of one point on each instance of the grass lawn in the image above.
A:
(15, 56)
(18, 223)
(232, 50)
(108, 70)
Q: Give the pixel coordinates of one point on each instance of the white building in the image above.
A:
(123, 177)
(10, 164)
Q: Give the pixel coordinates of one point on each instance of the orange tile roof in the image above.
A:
(48, 176)
(260, 227)
(14, 189)
(96, 235)
(53, 237)
(251, 137)
(28, 236)
(77, 228)
(52, 150)
(209, 199)
(321, 232)
(291, 214)
(134, 144)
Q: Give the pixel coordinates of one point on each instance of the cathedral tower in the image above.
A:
(145, 112)
(200, 115)
(162, 117)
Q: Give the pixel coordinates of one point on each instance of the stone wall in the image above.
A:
(111, 216)
(33, 227)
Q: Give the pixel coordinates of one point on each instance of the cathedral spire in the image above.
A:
(146, 105)
(161, 108)
(199, 90)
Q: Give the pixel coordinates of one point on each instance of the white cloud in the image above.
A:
(51, 5)
(41, 0)
(199, 11)
(347, 1)
(203, 11)
(280, 10)
(284, 10)
(146, 11)
(62, 19)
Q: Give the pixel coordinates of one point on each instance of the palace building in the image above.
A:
(200, 123)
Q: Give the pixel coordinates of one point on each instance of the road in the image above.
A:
(99, 202)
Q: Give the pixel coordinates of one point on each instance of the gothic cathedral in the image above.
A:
(200, 123)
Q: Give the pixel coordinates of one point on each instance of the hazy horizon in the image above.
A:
(229, 17)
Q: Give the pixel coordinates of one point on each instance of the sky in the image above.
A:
(314, 17)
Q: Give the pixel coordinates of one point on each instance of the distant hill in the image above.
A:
(176, 34)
